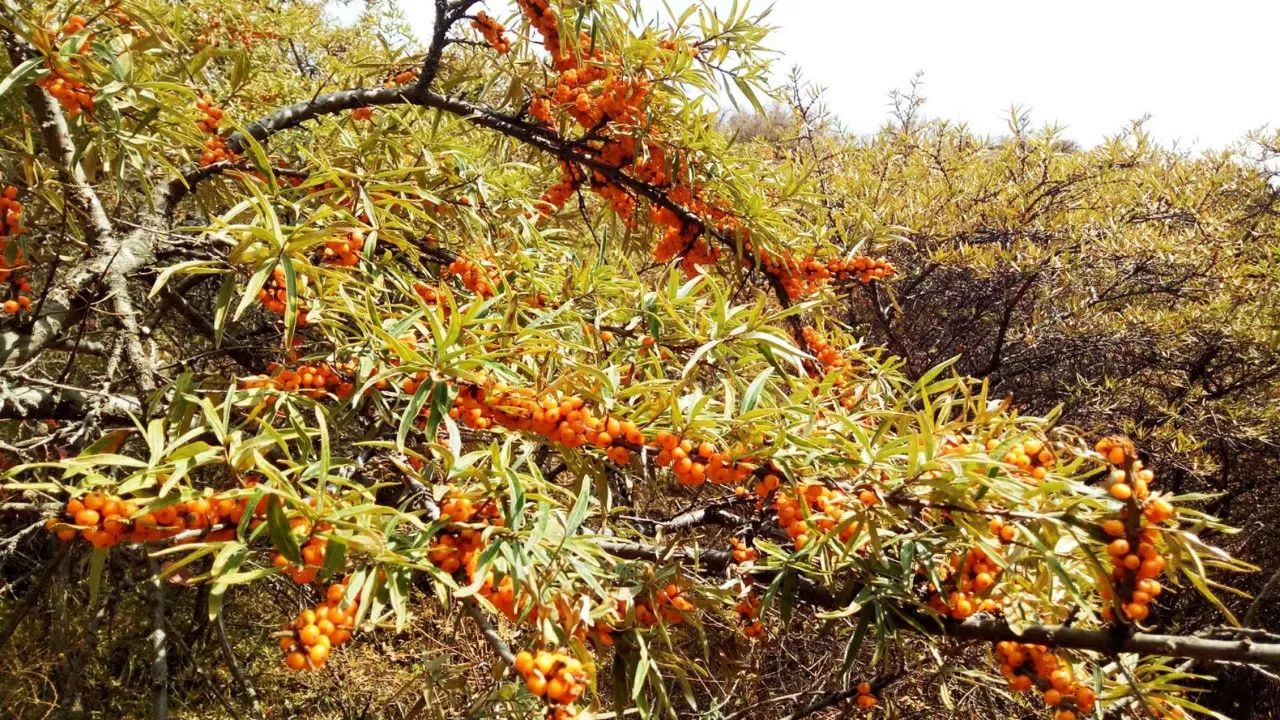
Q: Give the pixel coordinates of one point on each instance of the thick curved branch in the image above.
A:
(30, 403)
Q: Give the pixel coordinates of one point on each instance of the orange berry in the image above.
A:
(295, 660)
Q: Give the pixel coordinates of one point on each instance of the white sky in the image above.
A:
(1206, 71)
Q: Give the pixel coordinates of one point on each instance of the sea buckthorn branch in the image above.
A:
(1103, 640)
(530, 134)
(487, 629)
(58, 144)
(113, 258)
(447, 14)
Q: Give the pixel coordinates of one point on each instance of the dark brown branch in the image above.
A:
(997, 350)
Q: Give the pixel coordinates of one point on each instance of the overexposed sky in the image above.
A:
(1206, 71)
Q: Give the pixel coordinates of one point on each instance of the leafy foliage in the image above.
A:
(370, 342)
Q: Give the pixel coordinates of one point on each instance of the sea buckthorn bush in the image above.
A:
(490, 367)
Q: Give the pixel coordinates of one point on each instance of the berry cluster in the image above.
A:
(555, 196)
(275, 293)
(210, 115)
(865, 269)
(566, 421)
(830, 357)
(307, 641)
(802, 277)
(748, 609)
(10, 268)
(479, 278)
(694, 466)
(1005, 531)
(1033, 457)
(831, 360)
(815, 508)
(682, 238)
(866, 699)
(215, 148)
(670, 602)
(742, 552)
(1136, 561)
(402, 77)
(313, 553)
(1026, 666)
(64, 84)
(106, 520)
(492, 31)
(456, 548)
(344, 250)
(362, 114)
(973, 575)
(555, 676)
(315, 381)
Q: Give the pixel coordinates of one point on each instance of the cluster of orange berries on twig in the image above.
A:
(814, 508)
(1136, 561)
(1033, 457)
(695, 465)
(1003, 530)
(362, 114)
(10, 269)
(275, 293)
(402, 77)
(974, 575)
(610, 105)
(307, 641)
(312, 551)
(63, 84)
(344, 250)
(683, 238)
(492, 31)
(566, 421)
(556, 676)
(313, 380)
(1026, 666)
(863, 268)
(742, 552)
(802, 277)
(455, 548)
(215, 148)
(748, 609)
(670, 604)
(477, 277)
(105, 520)
(829, 356)
(210, 115)
(866, 697)
(831, 360)
(555, 196)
